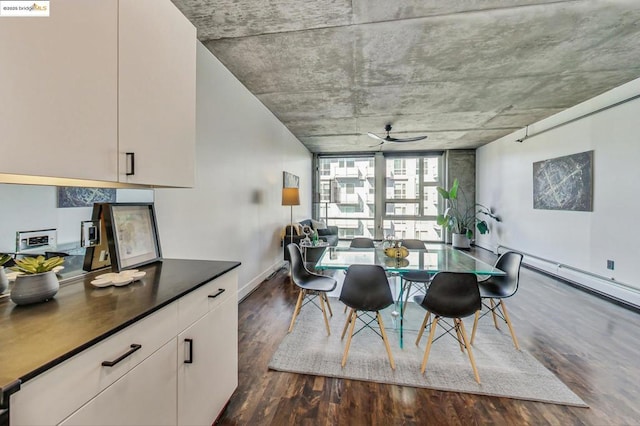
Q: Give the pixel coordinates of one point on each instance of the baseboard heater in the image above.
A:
(605, 287)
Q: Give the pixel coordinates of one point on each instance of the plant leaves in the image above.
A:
(453, 192)
(443, 192)
(482, 226)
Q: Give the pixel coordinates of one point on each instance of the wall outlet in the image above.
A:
(610, 264)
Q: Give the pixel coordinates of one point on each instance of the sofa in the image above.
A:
(325, 233)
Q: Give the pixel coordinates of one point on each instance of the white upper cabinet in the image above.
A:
(94, 81)
(157, 94)
(58, 92)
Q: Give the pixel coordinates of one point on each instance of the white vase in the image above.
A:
(460, 241)
(4, 281)
(34, 288)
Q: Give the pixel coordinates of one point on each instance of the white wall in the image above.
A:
(33, 207)
(584, 240)
(235, 211)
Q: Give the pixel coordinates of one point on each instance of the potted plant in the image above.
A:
(4, 281)
(462, 218)
(37, 281)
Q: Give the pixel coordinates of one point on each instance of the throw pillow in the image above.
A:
(296, 230)
(318, 224)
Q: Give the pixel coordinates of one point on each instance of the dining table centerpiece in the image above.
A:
(36, 280)
(395, 250)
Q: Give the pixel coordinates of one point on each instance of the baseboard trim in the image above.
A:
(602, 295)
(246, 290)
(575, 284)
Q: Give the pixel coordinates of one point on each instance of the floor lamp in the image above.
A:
(290, 197)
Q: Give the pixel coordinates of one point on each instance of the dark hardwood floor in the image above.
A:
(591, 344)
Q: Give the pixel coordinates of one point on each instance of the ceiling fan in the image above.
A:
(388, 138)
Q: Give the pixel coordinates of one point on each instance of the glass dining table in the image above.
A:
(436, 258)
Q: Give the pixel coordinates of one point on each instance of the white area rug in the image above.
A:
(504, 371)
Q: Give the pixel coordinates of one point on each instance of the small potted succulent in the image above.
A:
(4, 281)
(37, 281)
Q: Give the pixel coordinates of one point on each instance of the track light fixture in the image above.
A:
(526, 135)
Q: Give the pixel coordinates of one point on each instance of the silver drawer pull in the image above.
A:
(134, 347)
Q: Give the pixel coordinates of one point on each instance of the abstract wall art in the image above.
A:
(69, 196)
(564, 183)
(290, 180)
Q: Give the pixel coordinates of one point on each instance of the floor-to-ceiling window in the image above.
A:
(400, 201)
(347, 194)
(410, 197)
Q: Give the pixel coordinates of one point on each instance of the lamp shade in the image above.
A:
(290, 197)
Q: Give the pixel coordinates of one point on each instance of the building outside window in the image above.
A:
(411, 200)
(406, 187)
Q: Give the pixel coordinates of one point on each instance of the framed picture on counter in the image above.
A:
(132, 234)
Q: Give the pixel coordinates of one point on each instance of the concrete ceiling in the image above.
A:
(463, 72)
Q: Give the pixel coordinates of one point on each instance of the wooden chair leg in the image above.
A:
(429, 342)
(326, 299)
(469, 352)
(324, 314)
(346, 324)
(386, 341)
(427, 316)
(475, 326)
(296, 310)
(345, 309)
(493, 313)
(508, 320)
(346, 348)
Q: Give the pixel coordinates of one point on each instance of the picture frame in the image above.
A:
(564, 183)
(132, 234)
(289, 180)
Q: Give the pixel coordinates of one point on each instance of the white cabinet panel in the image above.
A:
(208, 365)
(58, 92)
(83, 376)
(157, 60)
(197, 303)
(144, 396)
(94, 81)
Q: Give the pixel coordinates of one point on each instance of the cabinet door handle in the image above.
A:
(218, 293)
(188, 356)
(131, 163)
(134, 347)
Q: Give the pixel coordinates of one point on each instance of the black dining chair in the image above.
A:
(453, 295)
(362, 242)
(419, 279)
(366, 292)
(310, 284)
(498, 288)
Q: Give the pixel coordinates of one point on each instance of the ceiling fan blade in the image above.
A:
(417, 138)
(374, 136)
(376, 145)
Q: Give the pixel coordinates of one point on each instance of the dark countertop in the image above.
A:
(34, 338)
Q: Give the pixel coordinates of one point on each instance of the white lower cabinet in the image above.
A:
(143, 396)
(154, 384)
(207, 365)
